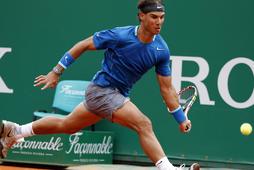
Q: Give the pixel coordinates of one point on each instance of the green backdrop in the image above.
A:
(211, 38)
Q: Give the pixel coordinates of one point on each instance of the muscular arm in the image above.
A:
(81, 47)
(168, 92)
(171, 99)
(51, 79)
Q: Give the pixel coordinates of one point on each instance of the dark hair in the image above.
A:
(143, 3)
(146, 6)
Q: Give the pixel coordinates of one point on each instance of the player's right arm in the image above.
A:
(82, 46)
(51, 79)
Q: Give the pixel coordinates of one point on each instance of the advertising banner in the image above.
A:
(83, 147)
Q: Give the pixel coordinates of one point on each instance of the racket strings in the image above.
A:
(185, 98)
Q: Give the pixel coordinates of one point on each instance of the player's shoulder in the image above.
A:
(124, 31)
(126, 28)
(161, 42)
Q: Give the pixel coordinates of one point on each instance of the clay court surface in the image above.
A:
(85, 167)
(89, 167)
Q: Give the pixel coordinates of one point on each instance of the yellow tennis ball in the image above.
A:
(246, 129)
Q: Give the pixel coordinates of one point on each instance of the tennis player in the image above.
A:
(130, 52)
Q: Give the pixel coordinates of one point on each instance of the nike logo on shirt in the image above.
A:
(159, 49)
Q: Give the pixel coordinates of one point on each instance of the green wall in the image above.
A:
(208, 33)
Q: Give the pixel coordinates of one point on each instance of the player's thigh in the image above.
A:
(130, 116)
(81, 117)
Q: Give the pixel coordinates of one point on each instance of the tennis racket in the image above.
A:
(187, 97)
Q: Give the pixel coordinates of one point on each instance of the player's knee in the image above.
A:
(144, 125)
(66, 127)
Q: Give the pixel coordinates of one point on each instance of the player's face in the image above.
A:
(152, 21)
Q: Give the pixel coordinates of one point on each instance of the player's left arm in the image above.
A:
(170, 97)
(168, 92)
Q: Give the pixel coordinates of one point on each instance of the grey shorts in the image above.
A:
(103, 101)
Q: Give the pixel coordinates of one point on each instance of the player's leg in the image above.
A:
(76, 120)
(130, 116)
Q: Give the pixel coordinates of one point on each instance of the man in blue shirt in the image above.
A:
(129, 53)
(127, 57)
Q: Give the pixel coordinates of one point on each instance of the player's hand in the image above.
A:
(49, 81)
(185, 127)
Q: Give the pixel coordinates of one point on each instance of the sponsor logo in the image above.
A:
(199, 79)
(77, 147)
(54, 144)
(159, 49)
(67, 89)
(74, 145)
(66, 59)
